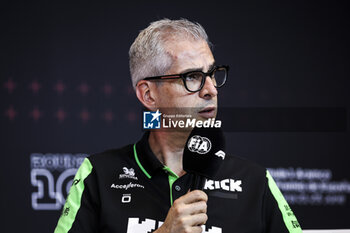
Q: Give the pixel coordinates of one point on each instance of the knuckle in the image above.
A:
(177, 210)
(197, 229)
(200, 195)
(182, 221)
(205, 206)
(187, 230)
(197, 194)
(205, 218)
(202, 206)
(176, 202)
(205, 196)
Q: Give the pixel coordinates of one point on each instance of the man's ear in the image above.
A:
(145, 94)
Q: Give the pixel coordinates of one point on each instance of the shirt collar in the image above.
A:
(145, 158)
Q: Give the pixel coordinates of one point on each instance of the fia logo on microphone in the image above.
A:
(151, 120)
(201, 145)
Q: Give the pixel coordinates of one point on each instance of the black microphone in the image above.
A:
(204, 153)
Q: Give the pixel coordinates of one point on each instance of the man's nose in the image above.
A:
(208, 90)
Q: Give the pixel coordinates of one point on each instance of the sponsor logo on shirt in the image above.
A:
(148, 225)
(66, 211)
(127, 186)
(126, 198)
(230, 185)
(128, 173)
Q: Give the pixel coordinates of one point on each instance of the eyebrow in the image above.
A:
(197, 69)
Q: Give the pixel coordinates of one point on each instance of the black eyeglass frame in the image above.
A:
(183, 76)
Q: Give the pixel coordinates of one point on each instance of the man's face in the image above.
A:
(188, 55)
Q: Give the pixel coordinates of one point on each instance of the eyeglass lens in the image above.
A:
(194, 79)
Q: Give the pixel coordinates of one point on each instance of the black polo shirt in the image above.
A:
(130, 190)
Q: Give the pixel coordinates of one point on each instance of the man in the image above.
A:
(143, 187)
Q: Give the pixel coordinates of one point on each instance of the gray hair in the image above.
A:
(148, 55)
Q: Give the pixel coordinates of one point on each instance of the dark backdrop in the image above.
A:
(65, 90)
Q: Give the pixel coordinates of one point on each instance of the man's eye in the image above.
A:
(193, 77)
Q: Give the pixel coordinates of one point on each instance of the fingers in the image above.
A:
(187, 214)
(192, 203)
(197, 220)
(193, 196)
(197, 229)
(195, 208)
(193, 222)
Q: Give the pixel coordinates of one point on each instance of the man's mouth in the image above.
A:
(208, 112)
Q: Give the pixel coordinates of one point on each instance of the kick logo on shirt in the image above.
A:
(226, 185)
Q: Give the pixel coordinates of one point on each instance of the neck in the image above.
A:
(168, 146)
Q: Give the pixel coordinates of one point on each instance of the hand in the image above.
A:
(187, 214)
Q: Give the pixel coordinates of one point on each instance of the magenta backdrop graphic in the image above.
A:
(65, 91)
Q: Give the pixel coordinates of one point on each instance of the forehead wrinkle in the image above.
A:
(189, 55)
(191, 58)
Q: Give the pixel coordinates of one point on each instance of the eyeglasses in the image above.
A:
(194, 80)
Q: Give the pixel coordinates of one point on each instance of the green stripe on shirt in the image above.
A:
(140, 165)
(73, 201)
(289, 218)
(172, 178)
